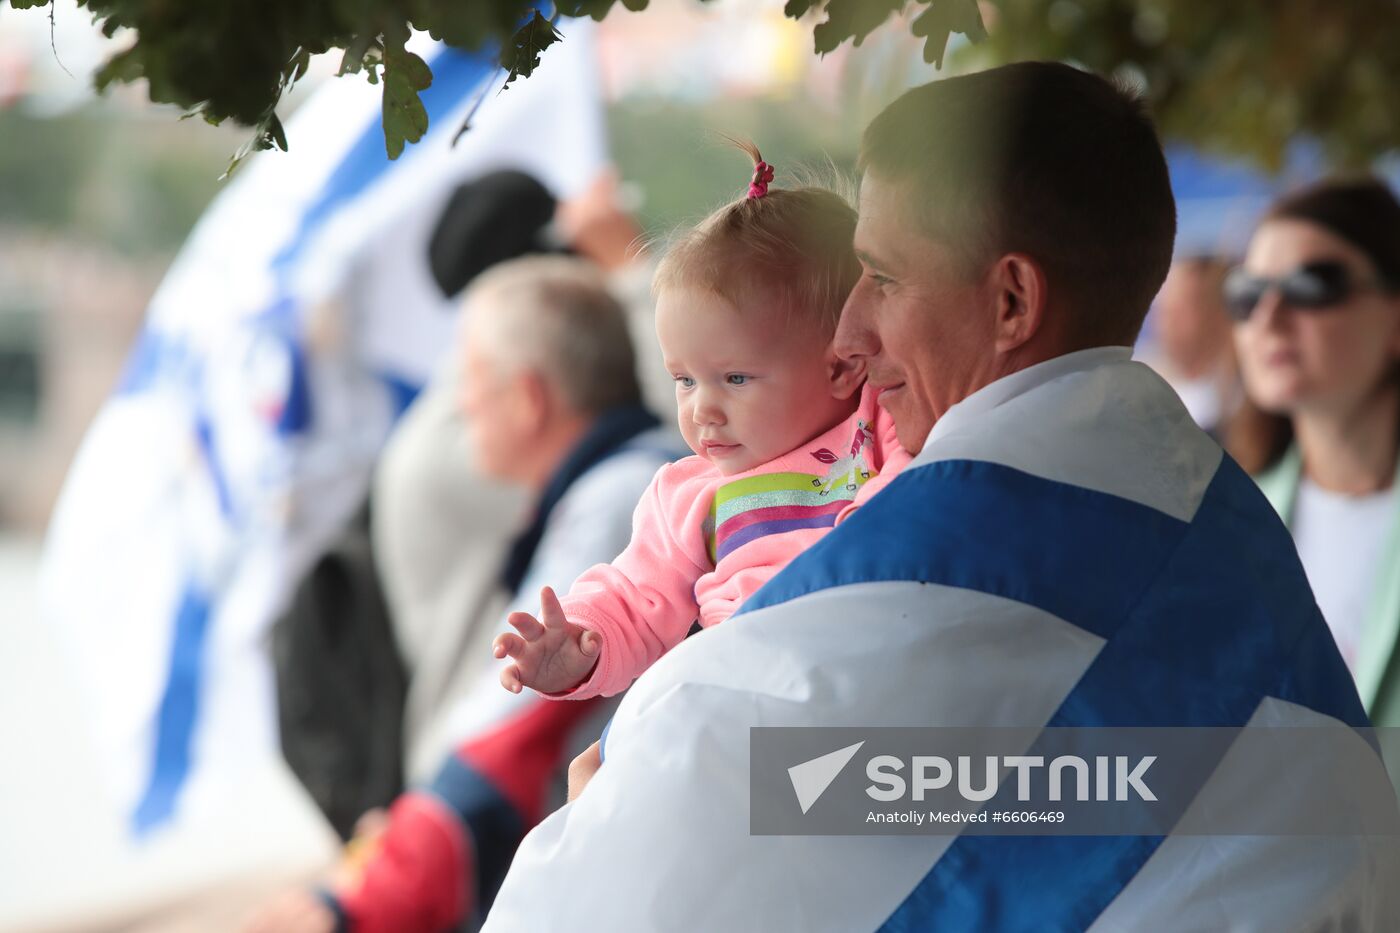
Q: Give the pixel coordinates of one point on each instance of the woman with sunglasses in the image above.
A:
(1317, 310)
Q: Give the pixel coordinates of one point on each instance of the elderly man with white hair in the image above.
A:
(551, 399)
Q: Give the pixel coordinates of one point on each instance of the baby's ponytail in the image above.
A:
(789, 246)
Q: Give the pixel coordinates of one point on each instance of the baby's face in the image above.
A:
(748, 388)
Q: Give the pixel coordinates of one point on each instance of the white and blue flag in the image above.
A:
(1069, 550)
(293, 328)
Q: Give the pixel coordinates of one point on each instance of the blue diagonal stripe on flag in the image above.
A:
(997, 530)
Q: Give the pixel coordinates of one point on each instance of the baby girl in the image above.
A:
(786, 436)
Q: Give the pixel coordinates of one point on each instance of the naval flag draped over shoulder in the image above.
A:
(297, 322)
(1068, 549)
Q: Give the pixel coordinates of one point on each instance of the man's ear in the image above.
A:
(845, 376)
(536, 400)
(1395, 333)
(1021, 295)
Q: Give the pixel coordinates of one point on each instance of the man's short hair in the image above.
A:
(555, 315)
(1043, 159)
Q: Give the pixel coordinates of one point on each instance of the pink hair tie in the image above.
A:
(762, 175)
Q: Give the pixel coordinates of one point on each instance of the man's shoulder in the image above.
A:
(1036, 530)
(624, 475)
(1073, 498)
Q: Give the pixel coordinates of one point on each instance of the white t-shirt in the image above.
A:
(1342, 539)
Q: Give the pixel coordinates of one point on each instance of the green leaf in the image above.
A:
(394, 36)
(419, 75)
(260, 140)
(1232, 77)
(468, 25)
(522, 54)
(941, 19)
(275, 131)
(405, 74)
(125, 67)
(298, 65)
(577, 9)
(356, 54)
(851, 19)
(405, 118)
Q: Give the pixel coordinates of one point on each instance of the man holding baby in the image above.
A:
(1066, 549)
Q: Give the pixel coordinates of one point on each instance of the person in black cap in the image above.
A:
(488, 220)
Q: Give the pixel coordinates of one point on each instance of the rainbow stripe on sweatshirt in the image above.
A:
(774, 503)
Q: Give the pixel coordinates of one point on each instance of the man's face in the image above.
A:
(925, 329)
(490, 397)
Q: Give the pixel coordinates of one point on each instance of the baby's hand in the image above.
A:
(550, 656)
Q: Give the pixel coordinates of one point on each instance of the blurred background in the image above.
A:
(98, 194)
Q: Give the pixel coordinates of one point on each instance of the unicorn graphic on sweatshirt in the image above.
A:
(848, 471)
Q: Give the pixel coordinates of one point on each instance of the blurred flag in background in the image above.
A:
(295, 325)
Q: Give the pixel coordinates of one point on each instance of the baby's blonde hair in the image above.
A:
(790, 248)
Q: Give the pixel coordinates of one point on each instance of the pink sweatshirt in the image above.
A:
(703, 542)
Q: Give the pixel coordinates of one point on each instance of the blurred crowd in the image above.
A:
(1288, 356)
(518, 467)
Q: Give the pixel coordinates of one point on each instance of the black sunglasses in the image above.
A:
(1312, 286)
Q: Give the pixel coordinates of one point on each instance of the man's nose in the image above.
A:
(854, 336)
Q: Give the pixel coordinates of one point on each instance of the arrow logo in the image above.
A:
(811, 778)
